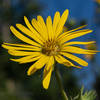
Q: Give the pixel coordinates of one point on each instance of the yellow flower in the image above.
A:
(90, 47)
(46, 44)
(98, 1)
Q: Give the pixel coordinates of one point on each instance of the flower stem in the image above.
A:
(58, 78)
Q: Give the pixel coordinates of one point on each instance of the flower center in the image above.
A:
(50, 48)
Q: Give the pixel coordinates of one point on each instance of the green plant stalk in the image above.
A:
(58, 78)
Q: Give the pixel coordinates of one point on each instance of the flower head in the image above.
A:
(47, 43)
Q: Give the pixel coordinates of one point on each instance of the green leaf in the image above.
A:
(88, 95)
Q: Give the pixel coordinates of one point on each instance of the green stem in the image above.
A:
(58, 78)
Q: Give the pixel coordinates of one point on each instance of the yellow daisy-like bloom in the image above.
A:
(98, 1)
(46, 44)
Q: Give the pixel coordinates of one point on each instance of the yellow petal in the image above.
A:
(38, 28)
(46, 80)
(20, 48)
(47, 72)
(30, 60)
(73, 49)
(28, 33)
(20, 45)
(75, 35)
(39, 64)
(32, 29)
(49, 27)
(60, 59)
(22, 53)
(74, 58)
(77, 42)
(62, 22)
(56, 21)
(27, 59)
(33, 70)
(70, 31)
(43, 27)
(22, 37)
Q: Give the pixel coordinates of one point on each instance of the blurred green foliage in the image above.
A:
(88, 95)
